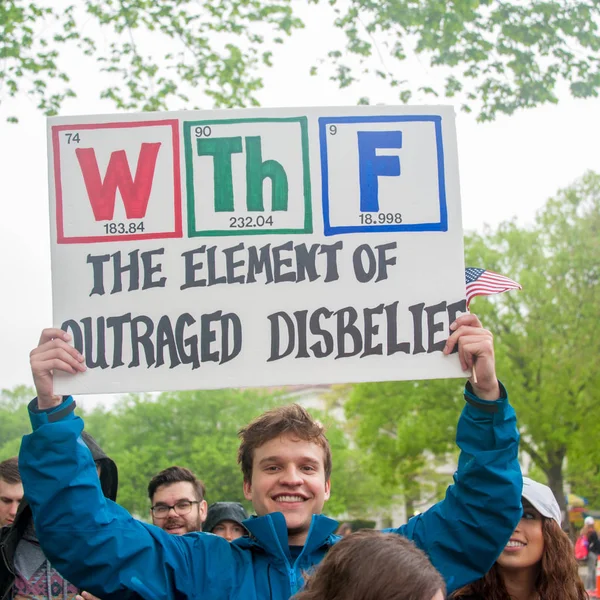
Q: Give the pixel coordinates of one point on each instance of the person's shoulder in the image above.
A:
(205, 550)
(188, 541)
(217, 546)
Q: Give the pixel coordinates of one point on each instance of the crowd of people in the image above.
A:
(496, 535)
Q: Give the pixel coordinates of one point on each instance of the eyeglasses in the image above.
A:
(183, 507)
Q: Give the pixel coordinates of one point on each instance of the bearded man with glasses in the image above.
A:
(177, 499)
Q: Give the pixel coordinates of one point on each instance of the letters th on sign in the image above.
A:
(242, 180)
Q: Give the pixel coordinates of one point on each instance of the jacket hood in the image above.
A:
(109, 475)
(270, 533)
(109, 480)
(224, 511)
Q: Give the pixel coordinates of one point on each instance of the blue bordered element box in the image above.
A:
(394, 174)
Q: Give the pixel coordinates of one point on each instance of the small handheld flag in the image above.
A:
(481, 282)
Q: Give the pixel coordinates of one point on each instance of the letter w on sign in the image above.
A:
(134, 191)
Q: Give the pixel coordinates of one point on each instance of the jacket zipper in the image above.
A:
(291, 570)
(293, 576)
(293, 580)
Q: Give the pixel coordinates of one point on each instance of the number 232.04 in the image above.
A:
(245, 222)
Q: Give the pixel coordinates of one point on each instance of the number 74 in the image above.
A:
(72, 137)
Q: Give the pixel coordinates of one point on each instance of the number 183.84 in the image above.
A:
(114, 228)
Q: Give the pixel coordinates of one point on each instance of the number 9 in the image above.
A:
(332, 129)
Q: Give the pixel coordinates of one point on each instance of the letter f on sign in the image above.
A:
(372, 166)
(135, 192)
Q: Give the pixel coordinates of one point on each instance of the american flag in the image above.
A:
(481, 282)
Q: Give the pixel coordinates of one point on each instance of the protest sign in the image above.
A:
(225, 248)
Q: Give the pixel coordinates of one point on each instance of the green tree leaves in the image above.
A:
(214, 49)
(14, 421)
(406, 430)
(548, 335)
(28, 61)
(495, 57)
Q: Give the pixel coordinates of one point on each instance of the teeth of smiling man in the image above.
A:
(289, 499)
(513, 544)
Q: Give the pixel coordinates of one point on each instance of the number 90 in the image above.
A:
(202, 131)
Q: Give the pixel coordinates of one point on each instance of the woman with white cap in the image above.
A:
(538, 562)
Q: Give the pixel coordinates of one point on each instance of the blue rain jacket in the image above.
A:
(101, 548)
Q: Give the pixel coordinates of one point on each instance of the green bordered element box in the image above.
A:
(247, 177)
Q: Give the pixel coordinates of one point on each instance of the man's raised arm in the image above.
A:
(90, 540)
(466, 532)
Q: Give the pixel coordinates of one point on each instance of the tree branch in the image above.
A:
(535, 456)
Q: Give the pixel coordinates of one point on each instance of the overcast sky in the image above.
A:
(507, 169)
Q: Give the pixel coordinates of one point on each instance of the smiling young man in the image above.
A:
(286, 464)
(177, 498)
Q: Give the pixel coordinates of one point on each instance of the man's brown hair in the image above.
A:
(9, 470)
(175, 475)
(370, 565)
(290, 420)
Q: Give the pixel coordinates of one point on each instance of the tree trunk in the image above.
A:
(554, 473)
(412, 493)
(409, 506)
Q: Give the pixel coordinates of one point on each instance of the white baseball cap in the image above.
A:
(589, 521)
(540, 496)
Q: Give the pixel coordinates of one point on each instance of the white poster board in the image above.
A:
(256, 247)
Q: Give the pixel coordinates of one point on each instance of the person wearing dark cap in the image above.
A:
(25, 571)
(225, 519)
